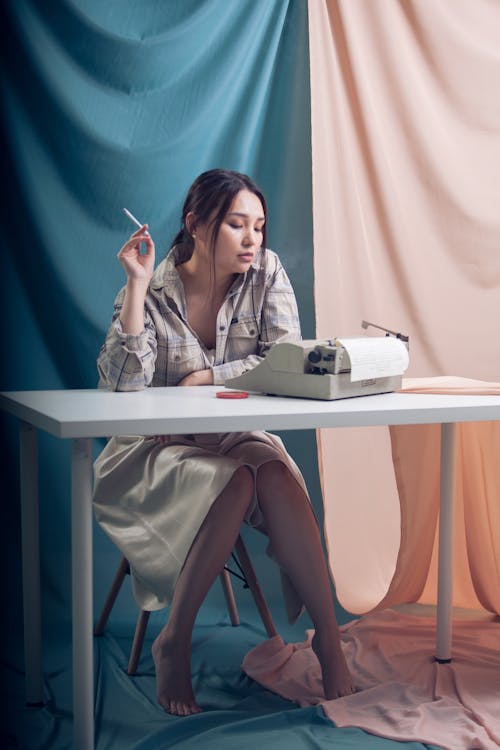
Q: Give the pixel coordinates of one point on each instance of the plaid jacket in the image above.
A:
(259, 310)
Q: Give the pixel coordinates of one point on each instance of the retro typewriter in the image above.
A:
(331, 368)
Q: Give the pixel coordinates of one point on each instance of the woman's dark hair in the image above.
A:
(210, 197)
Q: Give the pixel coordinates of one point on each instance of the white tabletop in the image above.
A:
(100, 413)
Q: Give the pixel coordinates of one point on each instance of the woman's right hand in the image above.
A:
(137, 265)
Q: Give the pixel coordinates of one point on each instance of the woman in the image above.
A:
(174, 504)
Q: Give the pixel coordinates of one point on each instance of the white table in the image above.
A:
(81, 415)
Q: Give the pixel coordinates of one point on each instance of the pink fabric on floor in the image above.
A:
(403, 693)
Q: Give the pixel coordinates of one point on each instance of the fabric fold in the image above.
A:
(405, 164)
(403, 693)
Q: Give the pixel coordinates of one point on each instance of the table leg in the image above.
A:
(81, 542)
(445, 552)
(31, 564)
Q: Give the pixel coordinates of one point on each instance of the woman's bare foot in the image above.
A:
(173, 677)
(337, 680)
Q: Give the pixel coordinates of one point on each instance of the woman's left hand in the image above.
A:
(200, 377)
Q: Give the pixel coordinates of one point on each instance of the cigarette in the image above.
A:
(133, 219)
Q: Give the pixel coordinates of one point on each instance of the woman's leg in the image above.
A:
(295, 537)
(207, 557)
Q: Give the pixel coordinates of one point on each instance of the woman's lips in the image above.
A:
(246, 257)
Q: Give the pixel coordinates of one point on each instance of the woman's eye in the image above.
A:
(236, 226)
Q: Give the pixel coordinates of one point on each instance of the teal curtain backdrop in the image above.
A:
(122, 104)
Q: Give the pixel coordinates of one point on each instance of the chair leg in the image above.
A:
(123, 570)
(225, 579)
(255, 588)
(143, 619)
(140, 632)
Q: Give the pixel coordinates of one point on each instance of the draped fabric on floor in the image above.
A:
(406, 188)
(403, 693)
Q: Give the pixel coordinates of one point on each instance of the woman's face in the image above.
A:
(240, 234)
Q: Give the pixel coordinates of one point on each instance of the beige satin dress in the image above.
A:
(152, 497)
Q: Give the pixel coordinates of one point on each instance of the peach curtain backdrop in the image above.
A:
(406, 189)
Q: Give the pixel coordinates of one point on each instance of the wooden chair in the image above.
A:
(246, 574)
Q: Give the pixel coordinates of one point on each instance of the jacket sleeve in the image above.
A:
(127, 362)
(279, 321)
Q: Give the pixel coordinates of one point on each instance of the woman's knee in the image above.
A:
(274, 477)
(242, 483)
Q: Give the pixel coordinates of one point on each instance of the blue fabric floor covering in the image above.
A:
(237, 712)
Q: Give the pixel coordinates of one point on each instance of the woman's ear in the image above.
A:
(190, 223)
